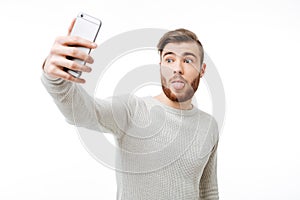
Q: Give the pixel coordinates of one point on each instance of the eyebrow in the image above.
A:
(184, 54)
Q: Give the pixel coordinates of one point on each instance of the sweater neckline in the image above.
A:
(173, 110)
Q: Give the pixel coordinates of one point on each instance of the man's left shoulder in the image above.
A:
(208, 122)
(206, 117)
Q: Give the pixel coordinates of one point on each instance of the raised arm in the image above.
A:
(73, 101)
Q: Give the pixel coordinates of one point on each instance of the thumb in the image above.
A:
(71, 26)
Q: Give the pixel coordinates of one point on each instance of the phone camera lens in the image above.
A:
(81, 15)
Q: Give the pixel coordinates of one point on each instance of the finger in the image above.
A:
(58, 72)
(71, 26)
(71, 64)
(75, 41)
(73, 52)
(79, 41)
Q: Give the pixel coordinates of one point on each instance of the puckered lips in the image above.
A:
(178, 84)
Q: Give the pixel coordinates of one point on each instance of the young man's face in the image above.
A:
(180, 70)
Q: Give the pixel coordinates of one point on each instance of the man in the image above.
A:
(167, 147)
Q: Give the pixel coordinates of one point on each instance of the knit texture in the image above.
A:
(164, 153)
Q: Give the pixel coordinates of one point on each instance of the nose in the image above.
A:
(177, 68)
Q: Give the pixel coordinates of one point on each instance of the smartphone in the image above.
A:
(86, 27)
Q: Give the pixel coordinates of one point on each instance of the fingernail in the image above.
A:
(94, 45)
(90, 60)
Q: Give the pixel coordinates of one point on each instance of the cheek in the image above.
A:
(163, 80)
(166, 72)
(195, 83)
(192, 75)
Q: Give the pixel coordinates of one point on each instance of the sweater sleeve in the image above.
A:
(80, 109)
(208, 182)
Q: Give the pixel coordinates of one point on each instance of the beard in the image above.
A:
(187, 93)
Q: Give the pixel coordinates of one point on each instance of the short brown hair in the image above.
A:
(177, 36)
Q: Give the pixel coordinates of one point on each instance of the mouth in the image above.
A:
(178, 84)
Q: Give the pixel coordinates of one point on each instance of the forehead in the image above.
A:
(182, 48)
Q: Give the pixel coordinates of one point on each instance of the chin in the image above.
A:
(178, 96)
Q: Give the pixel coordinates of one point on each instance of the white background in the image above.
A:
(255, 46)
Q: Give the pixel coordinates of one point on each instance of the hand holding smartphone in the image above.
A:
(86, 27)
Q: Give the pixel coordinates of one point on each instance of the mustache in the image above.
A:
(177, 77)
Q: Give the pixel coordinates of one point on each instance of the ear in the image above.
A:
(203, 67)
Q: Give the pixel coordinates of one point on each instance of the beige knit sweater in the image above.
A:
(164, 153)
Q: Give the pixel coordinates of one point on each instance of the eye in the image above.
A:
(169, 60)
(187, 60)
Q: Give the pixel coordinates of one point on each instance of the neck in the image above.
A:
(187, 105)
